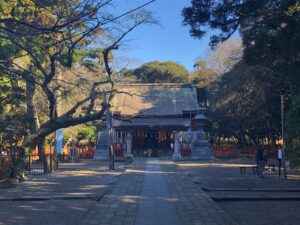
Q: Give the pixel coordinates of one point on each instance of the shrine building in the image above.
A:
(151, 116)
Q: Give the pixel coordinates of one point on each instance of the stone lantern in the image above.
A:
(177, 154)
(199, 121)
(128, 153)
(200, 147)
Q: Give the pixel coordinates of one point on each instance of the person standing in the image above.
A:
(279, 158)
(260, 160)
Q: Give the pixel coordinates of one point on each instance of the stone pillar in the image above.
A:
(176, 155)
(102, 144)
(128, 145)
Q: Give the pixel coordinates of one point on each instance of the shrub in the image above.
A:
(292, 134)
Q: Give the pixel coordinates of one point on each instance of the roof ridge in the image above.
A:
(182, 85)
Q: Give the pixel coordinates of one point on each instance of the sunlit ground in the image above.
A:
(213, 165)
(147, 172)
(226, 172)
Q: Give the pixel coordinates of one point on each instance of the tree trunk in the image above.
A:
(41, 146)
(30, 113)
(60, 122)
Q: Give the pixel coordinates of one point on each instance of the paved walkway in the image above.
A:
(156, 192)
(155, 207)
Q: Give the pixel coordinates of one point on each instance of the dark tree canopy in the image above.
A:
(269, 29)
(244, 106)
(246, 100)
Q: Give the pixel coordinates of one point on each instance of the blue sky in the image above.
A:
(168, 42)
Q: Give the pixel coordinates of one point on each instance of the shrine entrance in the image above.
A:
(159, 141)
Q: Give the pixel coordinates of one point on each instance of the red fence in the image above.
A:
(185, 149)
(119, 149)
(250, 151)
(86, 152)
(233, 151)
(225, 151)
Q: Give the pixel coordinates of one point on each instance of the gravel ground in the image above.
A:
(224, 174)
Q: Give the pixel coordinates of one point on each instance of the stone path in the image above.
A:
(156, 192)
(193, 206)
(120, 206)
(155, 207)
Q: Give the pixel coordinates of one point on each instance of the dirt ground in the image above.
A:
(60, 198)
(245, 197)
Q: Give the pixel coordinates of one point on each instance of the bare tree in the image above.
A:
(225, 56)
(49, 38)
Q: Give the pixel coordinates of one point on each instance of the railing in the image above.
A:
(34, 165)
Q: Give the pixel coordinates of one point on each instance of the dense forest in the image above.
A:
(246, 99)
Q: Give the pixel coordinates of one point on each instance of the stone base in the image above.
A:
(128, 155)
(176, 157)
(101, 152)
(202, 157)
(201, 153)
(128, 158)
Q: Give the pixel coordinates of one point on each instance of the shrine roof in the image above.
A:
(155, 99)
(153, 122)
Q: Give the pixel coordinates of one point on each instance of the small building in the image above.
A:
(146, 119)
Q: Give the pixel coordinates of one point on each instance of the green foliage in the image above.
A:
(202, 77)
(11, 93)
(11, 110)
(88, 132)
(18, 163)
(39, 39)
(160, 72)
(293, 133)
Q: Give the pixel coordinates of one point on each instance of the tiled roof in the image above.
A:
(153, 122)
(155, 99)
